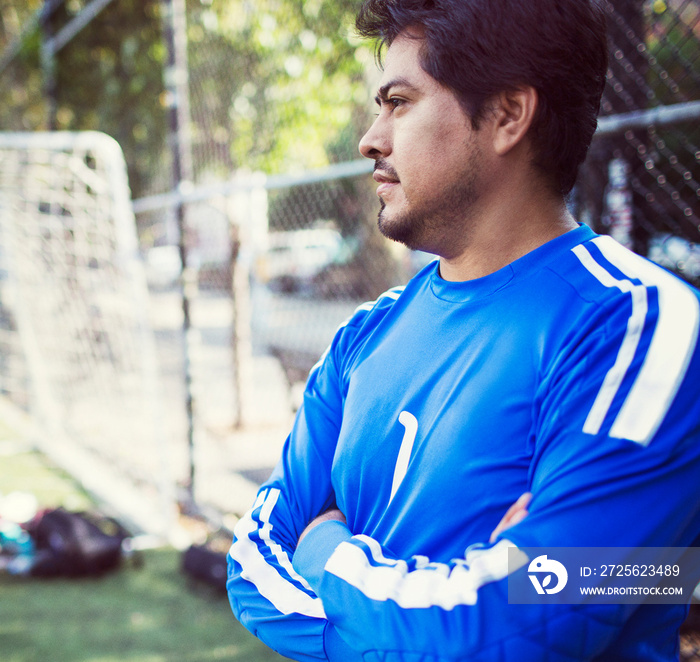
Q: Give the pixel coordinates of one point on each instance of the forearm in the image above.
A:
(266, 595)
(271, 600)
(454, 611)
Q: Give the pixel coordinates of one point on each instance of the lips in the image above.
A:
(385, 180)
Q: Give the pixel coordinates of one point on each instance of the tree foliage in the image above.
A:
(110, 78)
(22, 104)
(289, 79)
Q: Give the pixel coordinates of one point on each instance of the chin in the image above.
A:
(403, 228)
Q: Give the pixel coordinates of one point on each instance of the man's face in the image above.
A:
(427, 156)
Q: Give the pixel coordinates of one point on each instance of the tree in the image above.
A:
(284, 84)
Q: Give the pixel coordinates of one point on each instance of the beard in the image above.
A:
(437, 225)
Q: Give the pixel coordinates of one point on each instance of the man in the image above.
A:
(534, 357)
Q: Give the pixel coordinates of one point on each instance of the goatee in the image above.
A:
(408, 231)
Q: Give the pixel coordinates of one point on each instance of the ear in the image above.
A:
(514, 111)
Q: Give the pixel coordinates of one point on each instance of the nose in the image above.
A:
(375, 143)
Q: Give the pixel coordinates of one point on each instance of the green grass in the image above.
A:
(144, 615)
(26, 471)
(151, 613)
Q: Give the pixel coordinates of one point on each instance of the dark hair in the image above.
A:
(479, 48)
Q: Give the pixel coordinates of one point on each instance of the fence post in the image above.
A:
(617, 212)
(177, 84)
(249, 213)
(48, 62)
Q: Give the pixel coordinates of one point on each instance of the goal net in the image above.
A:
(76, 349)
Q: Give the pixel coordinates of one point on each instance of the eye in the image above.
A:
(394, 102)
(389, 103)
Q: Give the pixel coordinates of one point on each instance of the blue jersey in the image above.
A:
(572, 373)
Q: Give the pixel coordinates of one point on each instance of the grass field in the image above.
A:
(136, 614)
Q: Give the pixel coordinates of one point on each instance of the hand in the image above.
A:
(516, 513)
(330, 514)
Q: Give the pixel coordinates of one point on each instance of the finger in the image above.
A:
(515, 514)
(517, 518)
(506, 524)
(523, 501)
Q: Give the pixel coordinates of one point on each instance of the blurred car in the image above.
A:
(346, 276)
(295, 257)
(352, 273)
(343, 279)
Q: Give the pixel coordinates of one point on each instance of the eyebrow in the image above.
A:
(383, 92)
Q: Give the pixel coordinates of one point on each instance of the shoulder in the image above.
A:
(600, 269)
(354, 332)
(371, 312)
(637, 333)
(618, 288)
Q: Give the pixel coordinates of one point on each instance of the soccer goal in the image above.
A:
(76, 349)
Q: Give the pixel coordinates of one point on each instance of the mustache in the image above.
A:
(383, 165)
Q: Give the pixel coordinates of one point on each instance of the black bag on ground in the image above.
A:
(76, 544)
(205, 565)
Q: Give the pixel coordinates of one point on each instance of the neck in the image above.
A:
(513, 227)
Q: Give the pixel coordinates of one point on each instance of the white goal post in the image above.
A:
(76, 348)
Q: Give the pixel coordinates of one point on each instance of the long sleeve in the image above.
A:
(267, 596)
(396, 610)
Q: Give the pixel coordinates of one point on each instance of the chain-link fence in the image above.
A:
(641, 183)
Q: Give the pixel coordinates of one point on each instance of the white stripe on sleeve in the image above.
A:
(633, 333)
(280, 591)
(433, 586)
(671, 348)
